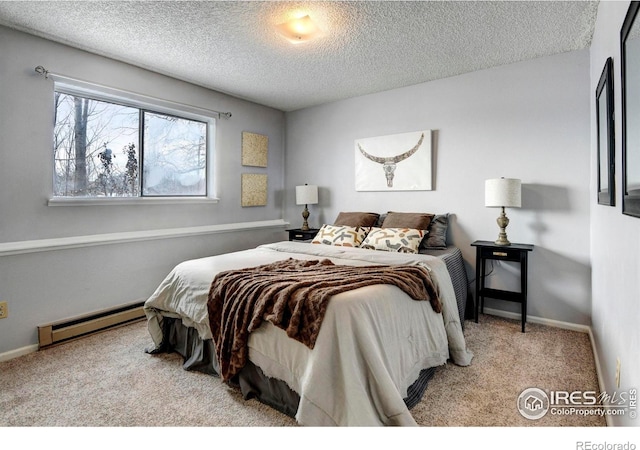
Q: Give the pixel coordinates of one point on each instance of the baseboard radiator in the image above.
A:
(75, 327)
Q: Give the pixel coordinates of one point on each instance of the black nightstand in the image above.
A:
(515, 252)
(296, 234)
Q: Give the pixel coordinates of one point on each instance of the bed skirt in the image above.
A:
(200, 356)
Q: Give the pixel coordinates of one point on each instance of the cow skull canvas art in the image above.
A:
(397, 162)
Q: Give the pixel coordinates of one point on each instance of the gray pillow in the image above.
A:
(437, 237)
(417, 221)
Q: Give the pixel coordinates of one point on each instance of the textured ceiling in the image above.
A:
(367, 46)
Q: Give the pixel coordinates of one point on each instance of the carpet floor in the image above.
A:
(107, 380)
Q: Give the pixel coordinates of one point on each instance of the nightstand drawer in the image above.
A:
(504, 254)
(297, 234)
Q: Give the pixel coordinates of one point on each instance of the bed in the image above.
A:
(374, 353)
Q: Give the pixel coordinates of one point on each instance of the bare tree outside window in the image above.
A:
(87, 136)
(101, 149)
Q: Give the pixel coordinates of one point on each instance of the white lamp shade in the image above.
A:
(306, 195)
(499, 192)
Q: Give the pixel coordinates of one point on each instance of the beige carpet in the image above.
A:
(108, 380)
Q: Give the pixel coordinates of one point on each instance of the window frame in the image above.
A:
(143, 104)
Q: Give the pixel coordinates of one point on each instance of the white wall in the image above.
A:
(46, 286)
(528, 120)
(615, 238)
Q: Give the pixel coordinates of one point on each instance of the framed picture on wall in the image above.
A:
(397, 162)
(630, 88)
(255, 148)
(606, 136)
(254, 189)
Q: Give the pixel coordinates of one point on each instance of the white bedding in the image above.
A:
(372, 345)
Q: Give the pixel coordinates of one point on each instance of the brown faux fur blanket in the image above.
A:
(293, 295)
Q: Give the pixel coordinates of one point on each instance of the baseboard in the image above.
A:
(539, 320)
(6, 356)
(601, 385)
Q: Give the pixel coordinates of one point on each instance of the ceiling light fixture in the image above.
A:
(299, 30)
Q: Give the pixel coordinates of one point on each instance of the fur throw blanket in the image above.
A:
(293, 295)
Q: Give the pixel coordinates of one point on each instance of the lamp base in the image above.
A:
(503, 221)
(305, 216)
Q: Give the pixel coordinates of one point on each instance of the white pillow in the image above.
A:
(403, 240)
(340, 235)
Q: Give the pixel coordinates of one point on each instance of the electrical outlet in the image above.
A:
(4, 312)
(618, 373)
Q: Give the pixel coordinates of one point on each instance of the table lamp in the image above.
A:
(503, 193)
(306, 195)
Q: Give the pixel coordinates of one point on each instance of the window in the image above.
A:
(106, 147)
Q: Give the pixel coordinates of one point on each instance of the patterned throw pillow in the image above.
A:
(343, 236)
(403, 240)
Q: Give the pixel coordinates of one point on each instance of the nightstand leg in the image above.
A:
(478, 276)
(483, 270)
(523, 287)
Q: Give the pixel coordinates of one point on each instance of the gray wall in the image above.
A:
(615, 238)
(47, 286)
(528, 120)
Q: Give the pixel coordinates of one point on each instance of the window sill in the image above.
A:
(122, 201)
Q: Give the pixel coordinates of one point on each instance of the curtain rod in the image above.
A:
(42, 71)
